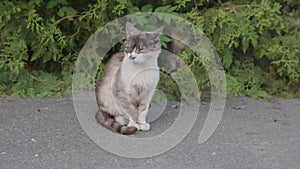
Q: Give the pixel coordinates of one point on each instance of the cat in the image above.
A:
(128, 82)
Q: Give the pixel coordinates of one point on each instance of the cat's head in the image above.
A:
(141, 46)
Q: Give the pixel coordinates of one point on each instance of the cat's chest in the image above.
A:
(147, 77)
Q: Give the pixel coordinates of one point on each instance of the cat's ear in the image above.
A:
(159, 30)
(131, 30)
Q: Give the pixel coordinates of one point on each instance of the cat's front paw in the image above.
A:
(134, 124)
(144, 126)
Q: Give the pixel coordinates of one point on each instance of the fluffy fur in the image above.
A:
(128, 82)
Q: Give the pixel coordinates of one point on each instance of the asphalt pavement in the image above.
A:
(253, 134)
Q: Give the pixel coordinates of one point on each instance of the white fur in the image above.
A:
(134, 124)
(142, 71)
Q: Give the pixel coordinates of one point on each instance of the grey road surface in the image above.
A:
(253, 134)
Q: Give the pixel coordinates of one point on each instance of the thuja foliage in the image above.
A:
(257, 41)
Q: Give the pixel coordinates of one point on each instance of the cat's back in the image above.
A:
(113, 63)
(110, 71)
(111, 67)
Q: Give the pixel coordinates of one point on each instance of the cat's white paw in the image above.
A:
(121, 120)
(134, 124)
(144, 126)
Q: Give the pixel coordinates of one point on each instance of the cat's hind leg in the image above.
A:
(134, 124)
(123, 120)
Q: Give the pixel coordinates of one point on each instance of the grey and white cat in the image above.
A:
(128, 82)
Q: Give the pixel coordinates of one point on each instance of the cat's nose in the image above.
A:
(131, 57)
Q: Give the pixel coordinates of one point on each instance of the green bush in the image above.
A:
(257, 41)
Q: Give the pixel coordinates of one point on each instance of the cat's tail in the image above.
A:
(107, 120)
